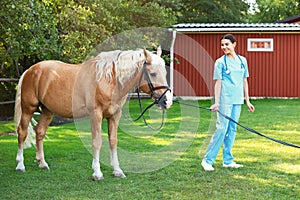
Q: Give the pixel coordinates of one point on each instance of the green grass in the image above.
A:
(271, 170)
(6, 127)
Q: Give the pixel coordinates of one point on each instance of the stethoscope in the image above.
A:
(227, 71)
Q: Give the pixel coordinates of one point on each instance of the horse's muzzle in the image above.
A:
(165, 101)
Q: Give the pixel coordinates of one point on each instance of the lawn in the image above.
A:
(162, 164)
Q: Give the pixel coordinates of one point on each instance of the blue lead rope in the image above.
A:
(241, 125)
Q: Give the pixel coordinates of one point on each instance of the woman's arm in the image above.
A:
(218, 86)
(246, 94)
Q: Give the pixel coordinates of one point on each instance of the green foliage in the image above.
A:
(268, 11)
(7, 91)
(32, 31)
(213, 11)
(68, 30)
(28, 33)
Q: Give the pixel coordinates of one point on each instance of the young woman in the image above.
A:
(231, 88)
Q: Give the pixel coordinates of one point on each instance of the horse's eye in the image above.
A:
(153, 75)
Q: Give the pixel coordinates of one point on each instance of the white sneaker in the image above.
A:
(206, 166)
(233, 165)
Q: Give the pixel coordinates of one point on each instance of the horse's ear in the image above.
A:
(147, 56)
(159, 51)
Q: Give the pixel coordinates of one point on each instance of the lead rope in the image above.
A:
(148, 107)
(144, 111)
(156, 101)
(241, 125)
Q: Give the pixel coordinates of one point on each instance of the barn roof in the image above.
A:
(237, 27)
(294, 19)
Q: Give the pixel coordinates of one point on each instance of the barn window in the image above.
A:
(260, 44)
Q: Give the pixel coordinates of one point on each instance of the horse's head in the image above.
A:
(153, 80)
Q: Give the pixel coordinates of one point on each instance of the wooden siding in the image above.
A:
(272, 74)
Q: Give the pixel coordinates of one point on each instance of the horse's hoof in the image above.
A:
(20, 170)
(119, 175)
(20, 167)
(45, 167)
(98, 178)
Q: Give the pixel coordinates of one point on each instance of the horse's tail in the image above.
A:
(30, 139)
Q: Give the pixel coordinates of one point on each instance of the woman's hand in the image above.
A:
(214, 107)
(251, 107)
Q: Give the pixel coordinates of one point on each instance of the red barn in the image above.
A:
(272, 51)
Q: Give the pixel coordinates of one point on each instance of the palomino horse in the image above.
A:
(97, 88)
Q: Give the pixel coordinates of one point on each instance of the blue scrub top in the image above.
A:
(232, 76)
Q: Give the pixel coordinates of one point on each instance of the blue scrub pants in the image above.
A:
(225, 133)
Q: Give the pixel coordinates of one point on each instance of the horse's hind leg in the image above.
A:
(40, 130)
(22, 134)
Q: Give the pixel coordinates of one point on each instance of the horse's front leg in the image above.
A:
(96, 143)
(113, 142)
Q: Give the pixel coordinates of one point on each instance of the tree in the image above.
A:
(213, 11)
(66, 30)
(28, 34)
(268, 11)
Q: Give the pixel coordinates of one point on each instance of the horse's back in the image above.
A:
(50, 83)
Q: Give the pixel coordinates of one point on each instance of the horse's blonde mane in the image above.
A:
(124, 63)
